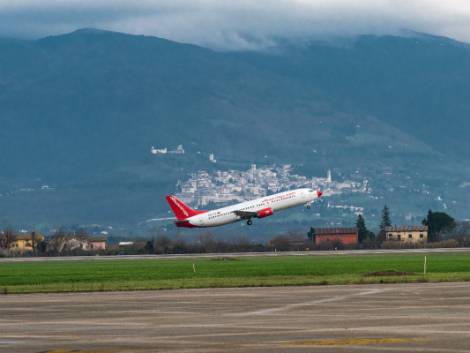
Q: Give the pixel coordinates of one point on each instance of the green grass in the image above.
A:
(142, 274)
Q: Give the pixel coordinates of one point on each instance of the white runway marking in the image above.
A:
(309, 303)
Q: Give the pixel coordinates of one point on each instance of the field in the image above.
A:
(142, 274)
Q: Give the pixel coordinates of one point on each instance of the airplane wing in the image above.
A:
(158, 220)
(245, 214)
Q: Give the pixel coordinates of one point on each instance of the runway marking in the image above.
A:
(7, 342)
(309, 303)
(353, 341)
(79, 351)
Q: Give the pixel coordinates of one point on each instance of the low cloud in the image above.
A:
(237, 24)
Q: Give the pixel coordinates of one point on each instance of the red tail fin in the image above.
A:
(180, 209)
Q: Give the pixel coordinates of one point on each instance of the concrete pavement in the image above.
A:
(426, 317)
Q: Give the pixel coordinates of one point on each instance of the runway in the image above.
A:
(425, 317)
(241, 254)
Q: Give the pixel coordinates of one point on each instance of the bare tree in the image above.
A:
(6, 238)
(207, 242)
(57, 242)
(281, 242)
(2, 240)
(163, 245)
(33, 242)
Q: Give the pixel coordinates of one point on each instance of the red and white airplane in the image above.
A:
(259, 208)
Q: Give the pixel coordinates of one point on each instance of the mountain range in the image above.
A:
(79, 113)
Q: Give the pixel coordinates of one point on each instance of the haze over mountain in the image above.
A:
(237, 25)
(79, 113)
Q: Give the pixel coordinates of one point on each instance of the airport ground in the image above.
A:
(230, 270)
(417, 317)
(242, 254)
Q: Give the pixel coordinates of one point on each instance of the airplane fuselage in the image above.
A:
(258, 208)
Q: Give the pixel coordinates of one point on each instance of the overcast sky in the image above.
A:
(236, 23)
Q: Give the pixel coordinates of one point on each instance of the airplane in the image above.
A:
(187, 217)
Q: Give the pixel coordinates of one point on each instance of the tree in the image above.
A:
(361, 228)
(311, 234)
(461, 233)
(34, 243)
(362, 231)
(384, 223)
(241, 244)
(2, 240)
(207, 243)
(437, 223)
(41, 247)
(57, 242)
(280, 242)
(163, 245)
(149, 248)
(6, 238)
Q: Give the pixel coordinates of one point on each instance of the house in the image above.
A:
(96, 243)
(25, 242)
(72, 243)
(407, 234)
(329, 236)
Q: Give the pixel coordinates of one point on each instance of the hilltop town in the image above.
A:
(203, 188)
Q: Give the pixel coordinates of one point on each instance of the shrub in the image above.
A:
(450, 243)
(401, 245)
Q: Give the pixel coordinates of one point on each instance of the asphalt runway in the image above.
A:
(241, 254)
(425, 317)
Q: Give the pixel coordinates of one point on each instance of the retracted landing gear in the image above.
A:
(249, 222)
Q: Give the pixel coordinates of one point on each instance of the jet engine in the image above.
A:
(265, 212)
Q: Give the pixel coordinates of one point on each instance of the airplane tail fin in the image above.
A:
(180, 209)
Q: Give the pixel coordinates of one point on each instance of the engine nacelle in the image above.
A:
(265, 212)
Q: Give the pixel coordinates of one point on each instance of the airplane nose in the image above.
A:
(319, 193)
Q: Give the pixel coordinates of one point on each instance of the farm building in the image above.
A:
(96, 243)
(407, 234)
(346, 236)
(25, 242)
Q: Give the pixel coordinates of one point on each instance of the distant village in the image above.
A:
(203, 188)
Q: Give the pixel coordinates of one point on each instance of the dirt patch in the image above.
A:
(351, 341)
(225, 258)
(388, 273)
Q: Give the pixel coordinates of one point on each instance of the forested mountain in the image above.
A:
(79, 113)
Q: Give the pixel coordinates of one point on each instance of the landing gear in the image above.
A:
(249, 222)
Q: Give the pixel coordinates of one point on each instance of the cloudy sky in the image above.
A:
(236, 23)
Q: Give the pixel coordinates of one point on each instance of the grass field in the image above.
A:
(141, 274)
